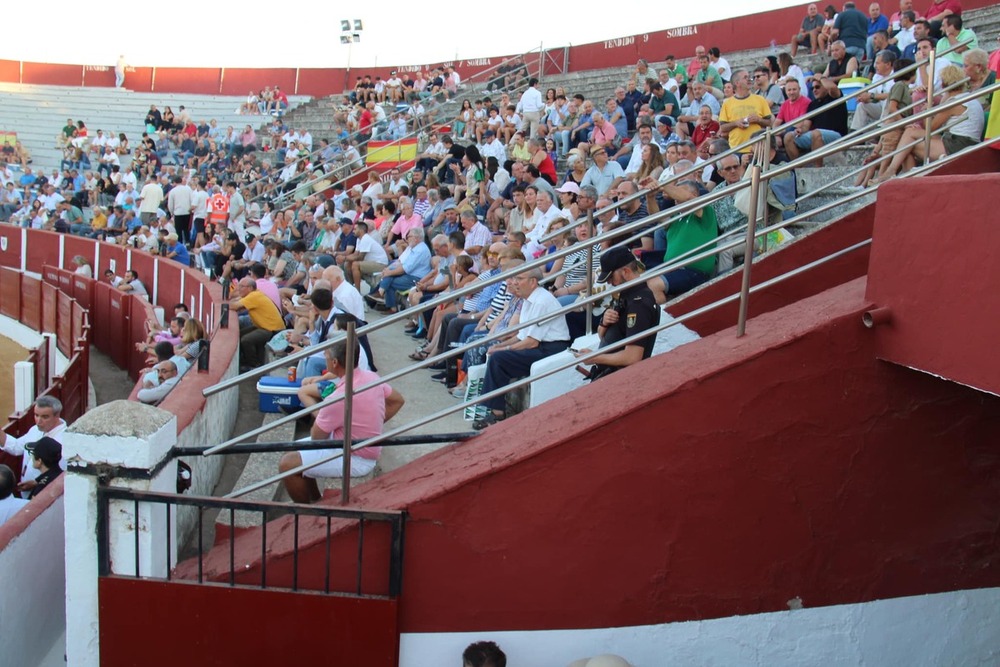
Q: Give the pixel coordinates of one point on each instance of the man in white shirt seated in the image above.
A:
(511, 360)
(9, 504)
(166, 371)
(47, 423)
(492, 147)
(604, 174)
(368, 258)
(432, 155)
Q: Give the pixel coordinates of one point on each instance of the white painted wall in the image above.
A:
(32, 615)
(82, 635)
(955, 628)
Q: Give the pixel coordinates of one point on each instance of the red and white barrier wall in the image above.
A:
(59, 301)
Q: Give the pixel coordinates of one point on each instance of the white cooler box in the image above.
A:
(278, 392)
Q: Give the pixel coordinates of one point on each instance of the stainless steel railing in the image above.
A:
(640, 225)
(757, 175)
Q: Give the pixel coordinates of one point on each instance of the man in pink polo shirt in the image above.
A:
(371, 409)
(792, 109)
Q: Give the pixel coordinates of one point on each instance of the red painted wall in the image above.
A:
(937, 272)
(182, 624)
(11, 257)
(852, 229)
(846, 232)
(723, 481)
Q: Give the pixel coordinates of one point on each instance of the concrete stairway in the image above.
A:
(38, 113)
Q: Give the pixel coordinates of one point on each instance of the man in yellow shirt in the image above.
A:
(98, 223)
(265, 321)
(743, 114)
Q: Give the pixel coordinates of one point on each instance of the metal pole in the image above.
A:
(930, 103)
(590, 271)
(541, 60)
(741, 325)
(767, 184)
(345, 482)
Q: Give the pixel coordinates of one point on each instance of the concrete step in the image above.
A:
(834, 213)
(258, 468)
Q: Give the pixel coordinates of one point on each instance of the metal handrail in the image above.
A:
(882, 158)
(533, 378)
(106, 495)
(642, 223)
(743, 295)
(689, 258)
(764, 231)
(742, 148)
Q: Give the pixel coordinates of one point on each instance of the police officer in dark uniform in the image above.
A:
(46, 456)
(631, 312)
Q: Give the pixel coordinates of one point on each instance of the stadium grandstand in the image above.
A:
(341, 279)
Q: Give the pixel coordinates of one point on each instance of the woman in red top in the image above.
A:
(542, 160)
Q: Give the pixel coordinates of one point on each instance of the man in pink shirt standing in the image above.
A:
(371, 409)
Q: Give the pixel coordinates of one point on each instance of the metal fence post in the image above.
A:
(590, 271)
(345, 482)
(741, 325)
(931, 63)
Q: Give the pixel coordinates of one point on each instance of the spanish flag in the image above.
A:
(385, 155)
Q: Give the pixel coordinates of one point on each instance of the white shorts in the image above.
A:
(335, 468)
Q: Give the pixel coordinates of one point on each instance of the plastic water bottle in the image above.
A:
(774, 47)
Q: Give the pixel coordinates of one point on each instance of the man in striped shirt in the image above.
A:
(477, 237)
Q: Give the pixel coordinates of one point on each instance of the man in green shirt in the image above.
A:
(66, 134)
(689, 235)
(72, 217)
(709, 76)
(662, 101)
(678, 73)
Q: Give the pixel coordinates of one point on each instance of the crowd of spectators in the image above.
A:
(512, 178)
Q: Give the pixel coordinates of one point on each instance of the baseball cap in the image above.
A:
(46, 449)
(569, 186)
(614, 259)
(490, 133)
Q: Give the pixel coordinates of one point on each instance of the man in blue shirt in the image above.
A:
(413, 264)
(851, 27)
(877, 22)
(177, 251)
